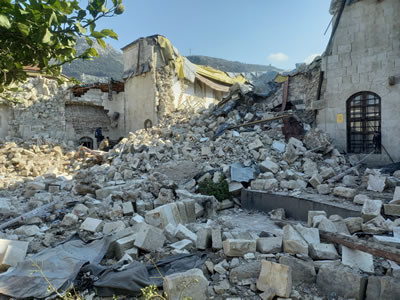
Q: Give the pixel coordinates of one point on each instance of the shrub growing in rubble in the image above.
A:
(219, 190)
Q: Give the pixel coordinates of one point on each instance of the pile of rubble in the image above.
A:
(143, 200)
(19, 160)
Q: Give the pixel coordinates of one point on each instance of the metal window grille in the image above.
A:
(363, 122)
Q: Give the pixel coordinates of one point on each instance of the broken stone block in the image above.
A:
(238, 247)
(293, 242)
(315, 180)
(182, 211)
(396, 196)
(164, 215)
(27, 230)
(375, 226)
(183, 244)
(258, 184)
(360, 199)
(91, 225)
(245, 272)
(376, 183)
(269, 166)
(354, 224)
(302, 271)
(182, 233)
(113, 226)
(270, 184)
(190, 210)
(392, 209)
(123, 244)
(350, 180)
(149, 238)
(382, 288)
(312, 214)
(127, 208)
(255, 145)
(133, 253)
(103, 193)
(323, 251)
(235, 188)
(204, 239)
(327, 172)
(342, 281)
(310, 235)
(69, 220)
(269, 245)
(371, 209)
(278, 146)
(341, 227)
(5, 208)
(216, 239)
(12, 252)
(276, 278)
(323, 189)
(344, 192)
(190, 284)
(358, 259)
(80, 210)
(222, 287)
(327, 225)
(219, 268)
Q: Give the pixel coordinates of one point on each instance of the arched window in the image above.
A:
(86, 141)
(364, 123)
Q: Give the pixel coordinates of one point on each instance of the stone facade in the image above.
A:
(364, 55)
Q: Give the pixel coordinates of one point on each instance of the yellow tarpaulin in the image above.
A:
(211, 73)
(165, 44)
(219, 75)
(280, 78)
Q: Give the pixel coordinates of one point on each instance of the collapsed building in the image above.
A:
(113, 222)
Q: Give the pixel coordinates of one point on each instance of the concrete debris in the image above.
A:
(144, 195)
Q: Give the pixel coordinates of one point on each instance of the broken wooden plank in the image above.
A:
(374, 248)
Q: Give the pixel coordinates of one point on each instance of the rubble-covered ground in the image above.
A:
(142, 197)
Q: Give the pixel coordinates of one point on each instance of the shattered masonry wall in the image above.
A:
(302, 86)
(5, 112)
(94, 109)
(153, 89)
(365, 53)
(41, 113)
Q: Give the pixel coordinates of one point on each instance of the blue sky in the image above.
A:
(280, 33)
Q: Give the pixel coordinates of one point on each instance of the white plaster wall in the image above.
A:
(201, 96)
(117, 104)
(130, 57)
(4, 119)
(365, 53)
(140, 101)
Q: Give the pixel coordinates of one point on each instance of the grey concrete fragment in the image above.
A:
(237, 247)
(357, 259)
(302, 271)
(269, 245)
(342, 281)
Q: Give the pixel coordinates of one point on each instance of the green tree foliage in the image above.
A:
(43, 33)
(219, 190)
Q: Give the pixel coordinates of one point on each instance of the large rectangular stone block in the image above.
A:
(238, 247)
(276, 278)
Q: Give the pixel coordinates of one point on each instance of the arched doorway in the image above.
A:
(364, 123)
(86, 142)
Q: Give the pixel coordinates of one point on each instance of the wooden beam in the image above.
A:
(258, 122)
(355, 243)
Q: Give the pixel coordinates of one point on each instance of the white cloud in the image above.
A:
(310, 59)
(278, 57)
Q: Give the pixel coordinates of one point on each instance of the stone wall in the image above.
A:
(41, 111)
(365, 53)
